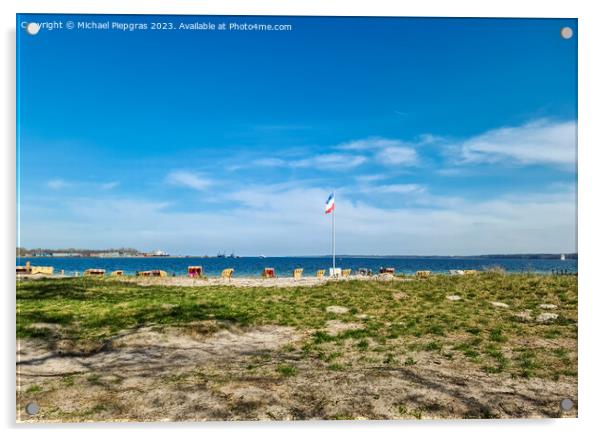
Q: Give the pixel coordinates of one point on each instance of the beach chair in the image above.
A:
(24, 270)
(346, 272)
(297, 273)
(195, 271)
(389, 270)
(320, 273)
(94, 272)
(160, 273)
(364, 272)
(423, 274)
(117, 273)
(227, 273)
(268, 272)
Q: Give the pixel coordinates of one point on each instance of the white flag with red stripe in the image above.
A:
(330, 204)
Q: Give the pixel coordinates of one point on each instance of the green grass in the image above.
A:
(34, 388)
(287, 370)
(94, 309)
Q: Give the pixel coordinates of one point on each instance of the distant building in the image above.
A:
(157, 253)
(107, 254)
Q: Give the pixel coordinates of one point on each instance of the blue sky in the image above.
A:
(440, 136)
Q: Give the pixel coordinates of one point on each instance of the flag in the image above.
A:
(330, 204)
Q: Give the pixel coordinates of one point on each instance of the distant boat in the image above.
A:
(562, 257)
(221, 255)
(261, 256)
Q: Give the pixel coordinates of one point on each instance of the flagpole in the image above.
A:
(333, 238)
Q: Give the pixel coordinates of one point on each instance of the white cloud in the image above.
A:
(287, 220)
(387, 151)
(398, 156)
(331, 161)
(328, 161)
(57, 184)
(537, 142)
(370, 144)
(189, 180)
(364, 179)
(109, 185)
(399, 189)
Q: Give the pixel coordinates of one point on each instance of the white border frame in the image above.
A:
(590, 142)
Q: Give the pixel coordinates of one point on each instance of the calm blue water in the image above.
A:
(284, 266)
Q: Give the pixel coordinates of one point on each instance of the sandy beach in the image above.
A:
(185, 281)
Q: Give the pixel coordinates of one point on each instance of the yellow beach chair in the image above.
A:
(159, 273)
(423, 274)
(41, 270)
(297, 273)
(227, 273)
(346, 272)
(117, 273)
(320, 273)
(94, 272)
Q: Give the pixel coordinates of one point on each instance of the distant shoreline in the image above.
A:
(571, 256)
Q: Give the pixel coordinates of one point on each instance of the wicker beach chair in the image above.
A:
(423, 274)
(345, 273)
(195, 271)
(269, 272)
(94, 272)
(320, 273)
(227, 273)
(297, 273)
(160, 273)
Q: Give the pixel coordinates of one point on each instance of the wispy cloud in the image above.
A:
(291, 221)
(397, 189)
(335, 161)
(397, 156)
(538, 142)
(109, 185)
(327, 161)
(368, 178)
(371, 143)
(57, 184)
(386, 151)
(188, 179)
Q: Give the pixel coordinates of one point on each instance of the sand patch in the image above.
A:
(499, 304)
(335, 327)
(337, 309)
(453, 297)
(546, 317)
(523, 316)
(151, 350)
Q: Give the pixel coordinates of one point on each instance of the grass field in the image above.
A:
(342, 350)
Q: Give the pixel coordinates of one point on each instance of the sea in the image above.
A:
(284, 266)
